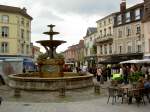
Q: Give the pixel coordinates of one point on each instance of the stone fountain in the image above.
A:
(51, 65)
(50, 75)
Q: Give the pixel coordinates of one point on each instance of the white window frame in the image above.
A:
(105, 49)
(128, 17)
(5, 18)
(139, 48)
(110, 48)
(119, 19)
(128, 30)
(4, 47)
(119, 33)
(5, 32)
(137, 14)
(22, 48)
(120, 49)
(101, 49)
(138, 29)
(22, 33)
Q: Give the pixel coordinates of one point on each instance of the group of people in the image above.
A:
(128, 70)
(103, 74)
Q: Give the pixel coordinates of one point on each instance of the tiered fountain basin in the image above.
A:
(33, 81)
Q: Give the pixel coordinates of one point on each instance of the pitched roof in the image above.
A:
(133, 7)
(10, 9)
(92, 29)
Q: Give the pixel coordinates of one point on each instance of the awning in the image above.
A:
(28, 64)
(109, 62)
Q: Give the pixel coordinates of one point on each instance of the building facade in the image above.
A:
(15, 32)
(128, 41)
(75, 54)
(104, 41)
(90, 49)
(146, 25)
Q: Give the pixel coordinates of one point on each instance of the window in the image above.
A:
(22, 21)
(105, 49)
(27, 49)
(100, 33)
(137, 14)
(4, 47)
(5, 19)
(100, 25)
(139, 48)
(129, 49)
(109, 20)
(109, 30)
(110, 48)
(104, 32)
(22, 33)
(101, 49)
(119, 19)
(138, 29)
(28, 35)
(120, 49)
(104, 23)
(119, 33)
(128, 31)
(27, 24)
(128, 17)
(5, 31)
(22, 48)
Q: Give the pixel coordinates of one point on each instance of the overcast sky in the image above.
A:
(71, 17)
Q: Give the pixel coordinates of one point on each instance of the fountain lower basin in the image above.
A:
(33, 82)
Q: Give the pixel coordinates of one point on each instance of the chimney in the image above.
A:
(123, 6)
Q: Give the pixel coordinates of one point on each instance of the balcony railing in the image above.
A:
(106, 38)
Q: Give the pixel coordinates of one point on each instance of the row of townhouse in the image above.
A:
(75, 54)
(120, 36)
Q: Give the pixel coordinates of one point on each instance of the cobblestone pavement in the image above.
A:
(91, 105)
(79, 100)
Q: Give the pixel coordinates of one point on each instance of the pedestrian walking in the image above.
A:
(99, 76)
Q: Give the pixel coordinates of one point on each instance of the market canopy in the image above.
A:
(144, 61)
(131, 61)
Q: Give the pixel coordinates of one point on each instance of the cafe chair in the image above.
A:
(112, 93)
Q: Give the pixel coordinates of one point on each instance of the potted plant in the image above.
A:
(134, 77)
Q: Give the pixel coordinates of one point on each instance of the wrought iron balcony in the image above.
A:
(105, 38)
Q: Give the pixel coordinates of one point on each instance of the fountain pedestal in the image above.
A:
(51, 67)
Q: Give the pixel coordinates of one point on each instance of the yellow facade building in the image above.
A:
(15, 32)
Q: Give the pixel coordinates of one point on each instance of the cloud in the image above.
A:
(85, 7)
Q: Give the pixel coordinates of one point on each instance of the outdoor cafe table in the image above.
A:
(125, 88)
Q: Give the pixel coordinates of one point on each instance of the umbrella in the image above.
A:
(130, 61)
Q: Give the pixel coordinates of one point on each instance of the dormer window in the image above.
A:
(137, 14)
(119, 19)
(128, 17)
